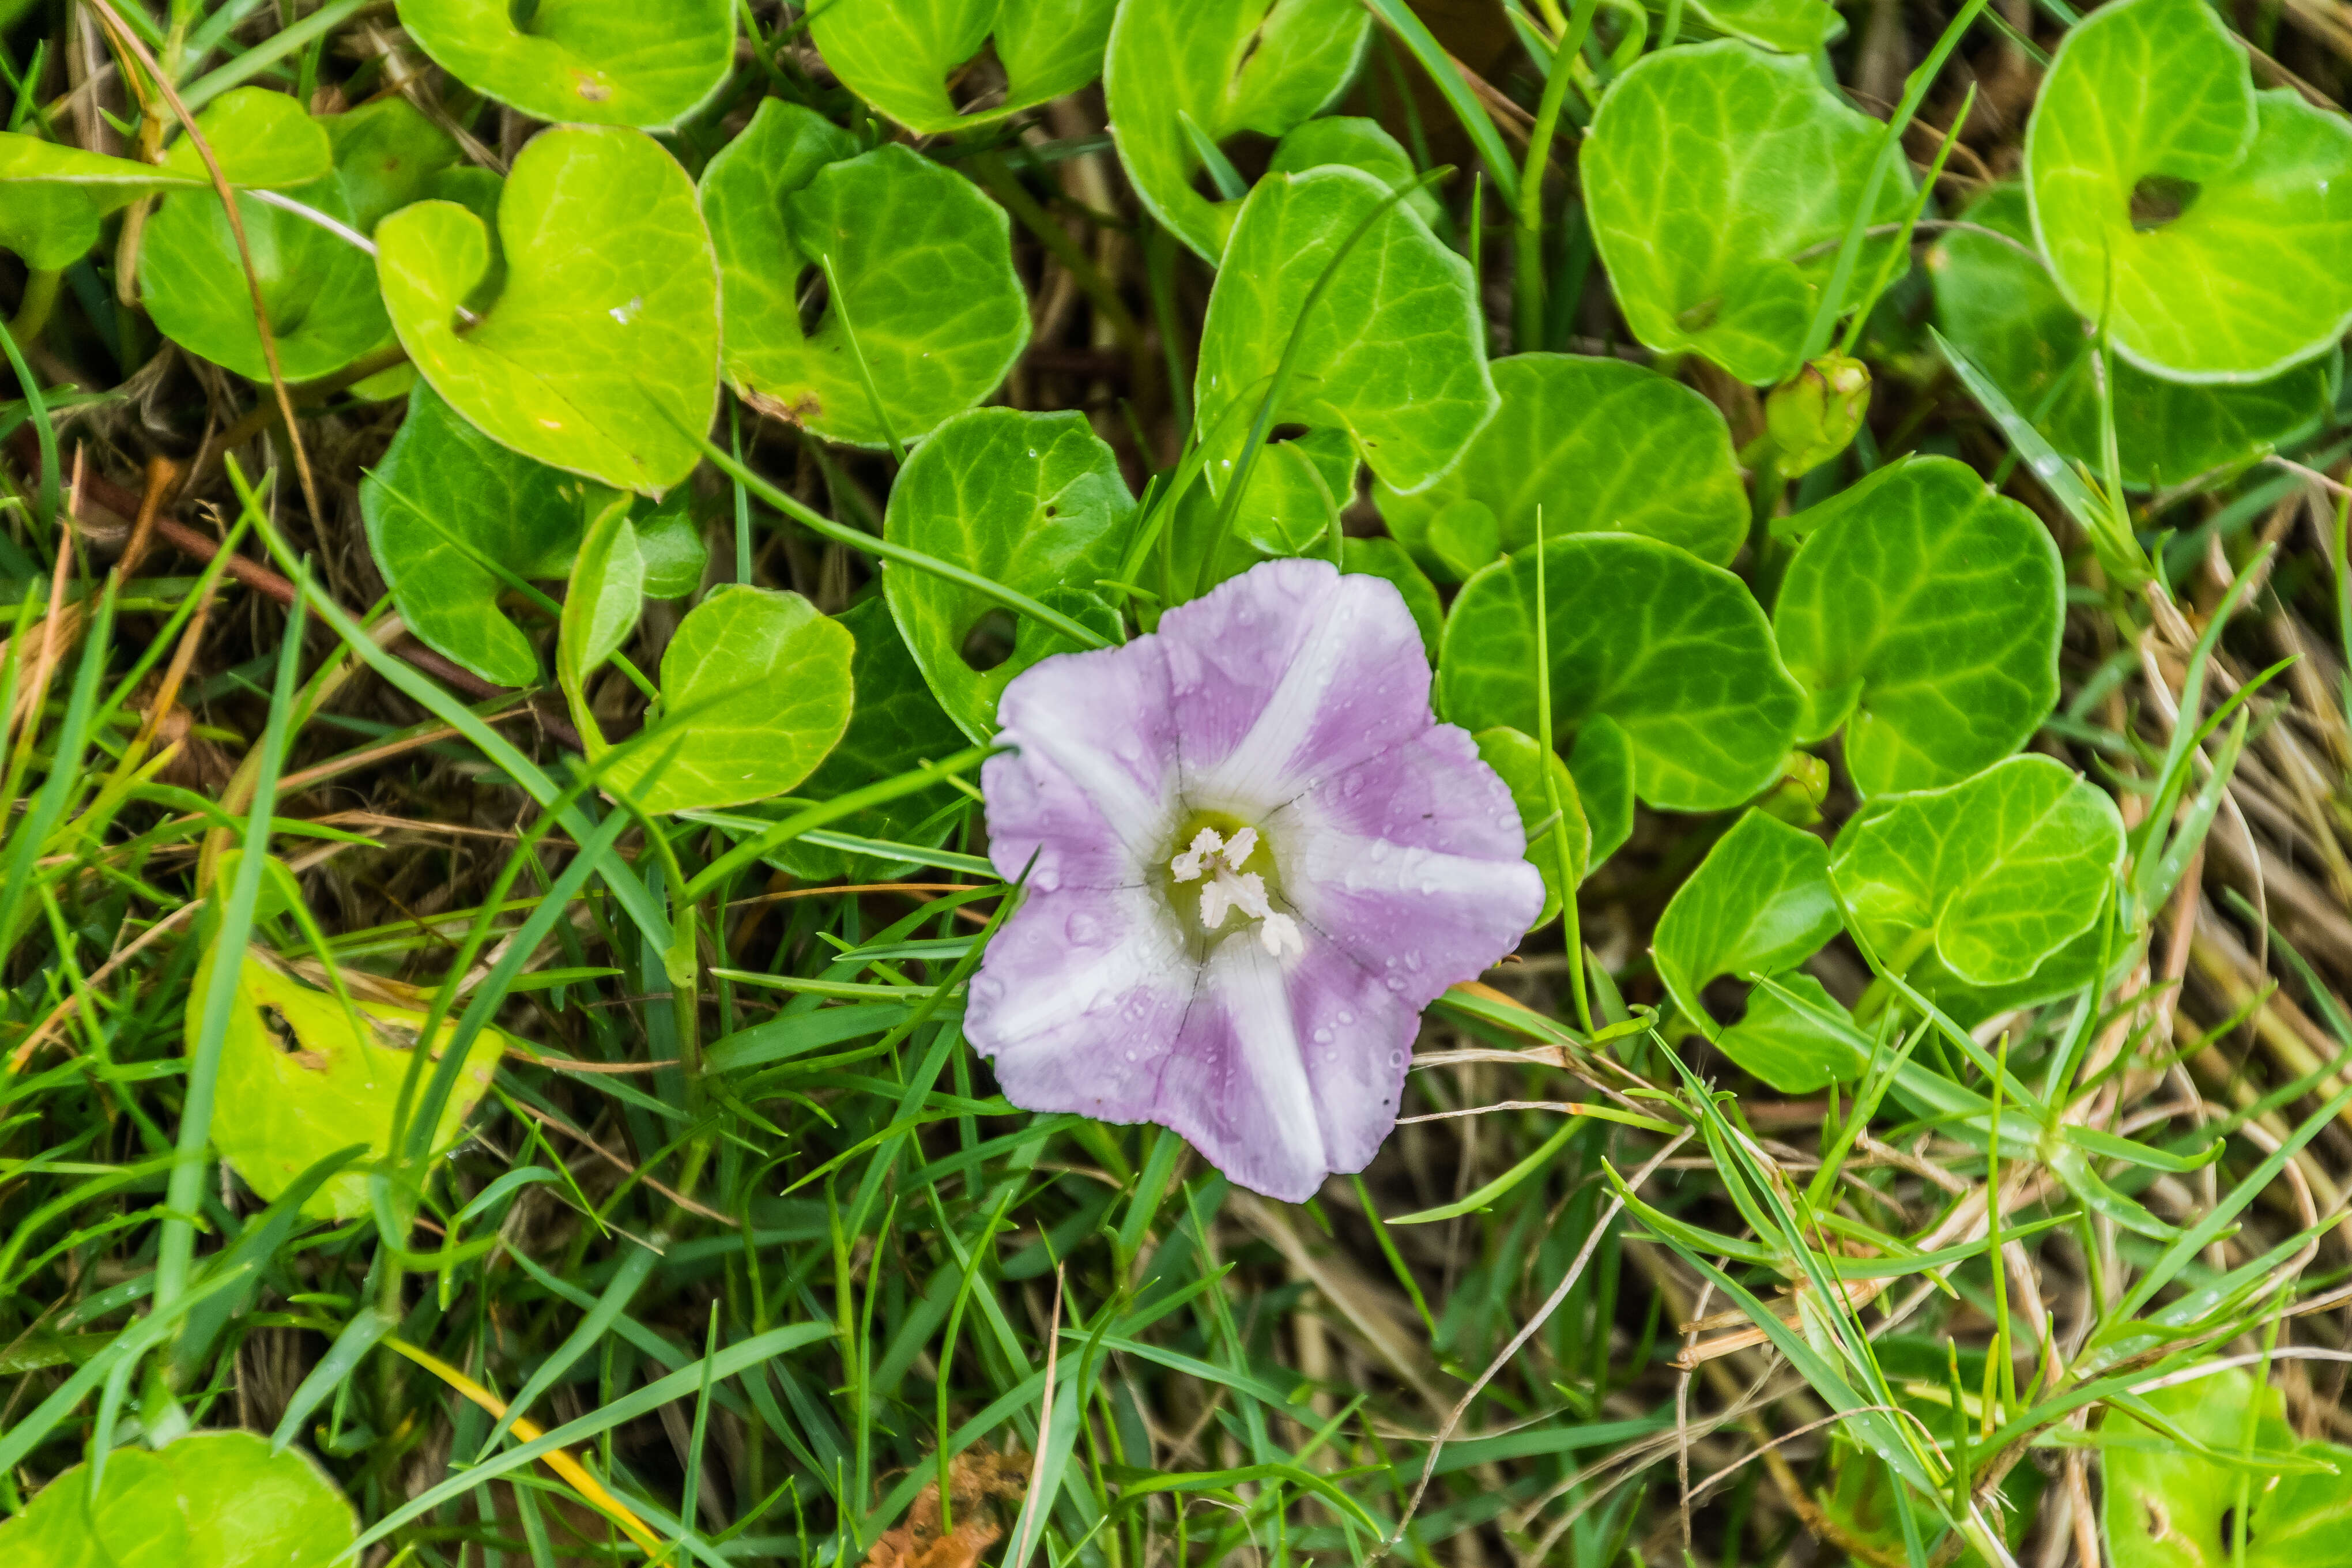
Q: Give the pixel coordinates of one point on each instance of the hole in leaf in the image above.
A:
(2229, 1530)
(815, 298)
(2159, 199)
(1285, 433)
(1725, 1000)
(989, 643)
(280, 1031)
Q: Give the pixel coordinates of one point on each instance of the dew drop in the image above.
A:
(1322, 1036)
(1082, 929)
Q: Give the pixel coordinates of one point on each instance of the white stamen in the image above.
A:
(1205, 844)
(1229, 887)
(1280, 931)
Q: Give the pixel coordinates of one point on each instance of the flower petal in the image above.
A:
(1412, 862)
(1287, 1071)
(1080, 999)
(1092, 790)
(1286, 673)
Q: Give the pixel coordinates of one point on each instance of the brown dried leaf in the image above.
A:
(975, 1476)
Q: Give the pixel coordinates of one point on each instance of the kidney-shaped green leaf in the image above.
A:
(2205, 223)
(2168, 1506)
(757, 685)
(1992, 875)
(52, 196)
(1923, 613)
(1760, 903)
(1721, 180)
(1602, 446)
(922, 259)
(1996, 302)
(898, 55)
(896, 725)
(301, 1082)
(1392, 352)
(601, 354)
(1178, 76)
(581, 61)
(1034, 503)
(446, 503)
(1672, 651)
(212, 1499)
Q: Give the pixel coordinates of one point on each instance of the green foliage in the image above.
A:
(1922, 615)
(1721, 182)
(1521, 760)
(756, 687)
(1034, 503)
(1355, 142)
(448, 509)
(2170, 1506)
(1789, 27)
(212, 1499)
(600, 355)
(1602, 446)
(1815, 414)
(600, 608)
(1992, 876)
(923, 313)
(898, 55)
(1760, 903)
(1671, 651)
(1997, 302)
(319, 287)
(57, 195)
(1178, 76)
(561, 60)
(895, 725)
(1380, 338)
(2201, 221)
(309, 1075)
(1882, 1050)
(1297, 491)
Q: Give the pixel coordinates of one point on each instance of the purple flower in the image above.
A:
(1257, 857)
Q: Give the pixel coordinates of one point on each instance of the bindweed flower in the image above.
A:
(1253, 856)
